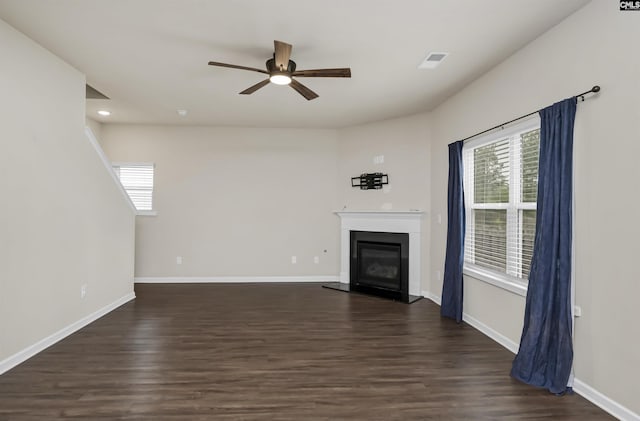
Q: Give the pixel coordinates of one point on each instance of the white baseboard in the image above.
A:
(478, 325)
(21, 356)
(432, 297)
(604, 402)
(491, 333)
(231, 279)
(581, 388)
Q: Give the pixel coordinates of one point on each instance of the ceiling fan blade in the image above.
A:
(303, 90)
(234, 66)
(282, 54)
(344, 72)
(255, 87)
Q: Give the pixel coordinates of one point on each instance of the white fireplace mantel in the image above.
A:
(409, 222)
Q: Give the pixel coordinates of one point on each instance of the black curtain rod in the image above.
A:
(590, 91)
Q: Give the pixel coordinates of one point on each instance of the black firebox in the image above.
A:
(380, 264)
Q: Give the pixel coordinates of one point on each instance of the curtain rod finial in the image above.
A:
(595, 89)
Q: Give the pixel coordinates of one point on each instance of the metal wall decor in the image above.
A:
(370, 181)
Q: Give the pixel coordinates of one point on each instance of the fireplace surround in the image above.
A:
(402, 222)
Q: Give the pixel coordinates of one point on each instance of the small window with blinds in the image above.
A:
(501, 186)
(137, 180)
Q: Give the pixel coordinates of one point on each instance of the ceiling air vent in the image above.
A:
(93, 93)
(432, 61)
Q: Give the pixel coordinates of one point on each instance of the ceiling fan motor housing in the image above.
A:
(271, 66)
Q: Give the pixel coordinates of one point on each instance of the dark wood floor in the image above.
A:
(275, 352)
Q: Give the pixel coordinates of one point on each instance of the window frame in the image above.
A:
(500, 279)
(146, 212)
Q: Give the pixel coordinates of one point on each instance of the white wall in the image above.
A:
(241, 201)
(405, 145)
(234, 201)
(64, 222)
(593, 46)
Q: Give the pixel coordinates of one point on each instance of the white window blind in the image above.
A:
(137, 180)
(501, 185)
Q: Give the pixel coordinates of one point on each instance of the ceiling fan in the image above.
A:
(282, 71)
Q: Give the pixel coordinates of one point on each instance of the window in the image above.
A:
(501, 186)
(137, 180)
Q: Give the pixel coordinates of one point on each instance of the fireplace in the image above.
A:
(380, 264)
(393, 226)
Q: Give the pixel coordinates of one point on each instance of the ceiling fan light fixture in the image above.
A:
(280, 78)
(281, 70)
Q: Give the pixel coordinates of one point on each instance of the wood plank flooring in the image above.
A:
(275, 352)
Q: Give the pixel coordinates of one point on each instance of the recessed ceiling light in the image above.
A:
(182, 113)
(104, 113)
(432, 61)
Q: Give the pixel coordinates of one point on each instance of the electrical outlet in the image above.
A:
(577, 311)
(178, 260)
(316, 260)
(83, 290)
(294, 260)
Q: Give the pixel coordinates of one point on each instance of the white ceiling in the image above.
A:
(150, 56)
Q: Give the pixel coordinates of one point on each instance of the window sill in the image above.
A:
(503, 281)
(147, 213)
